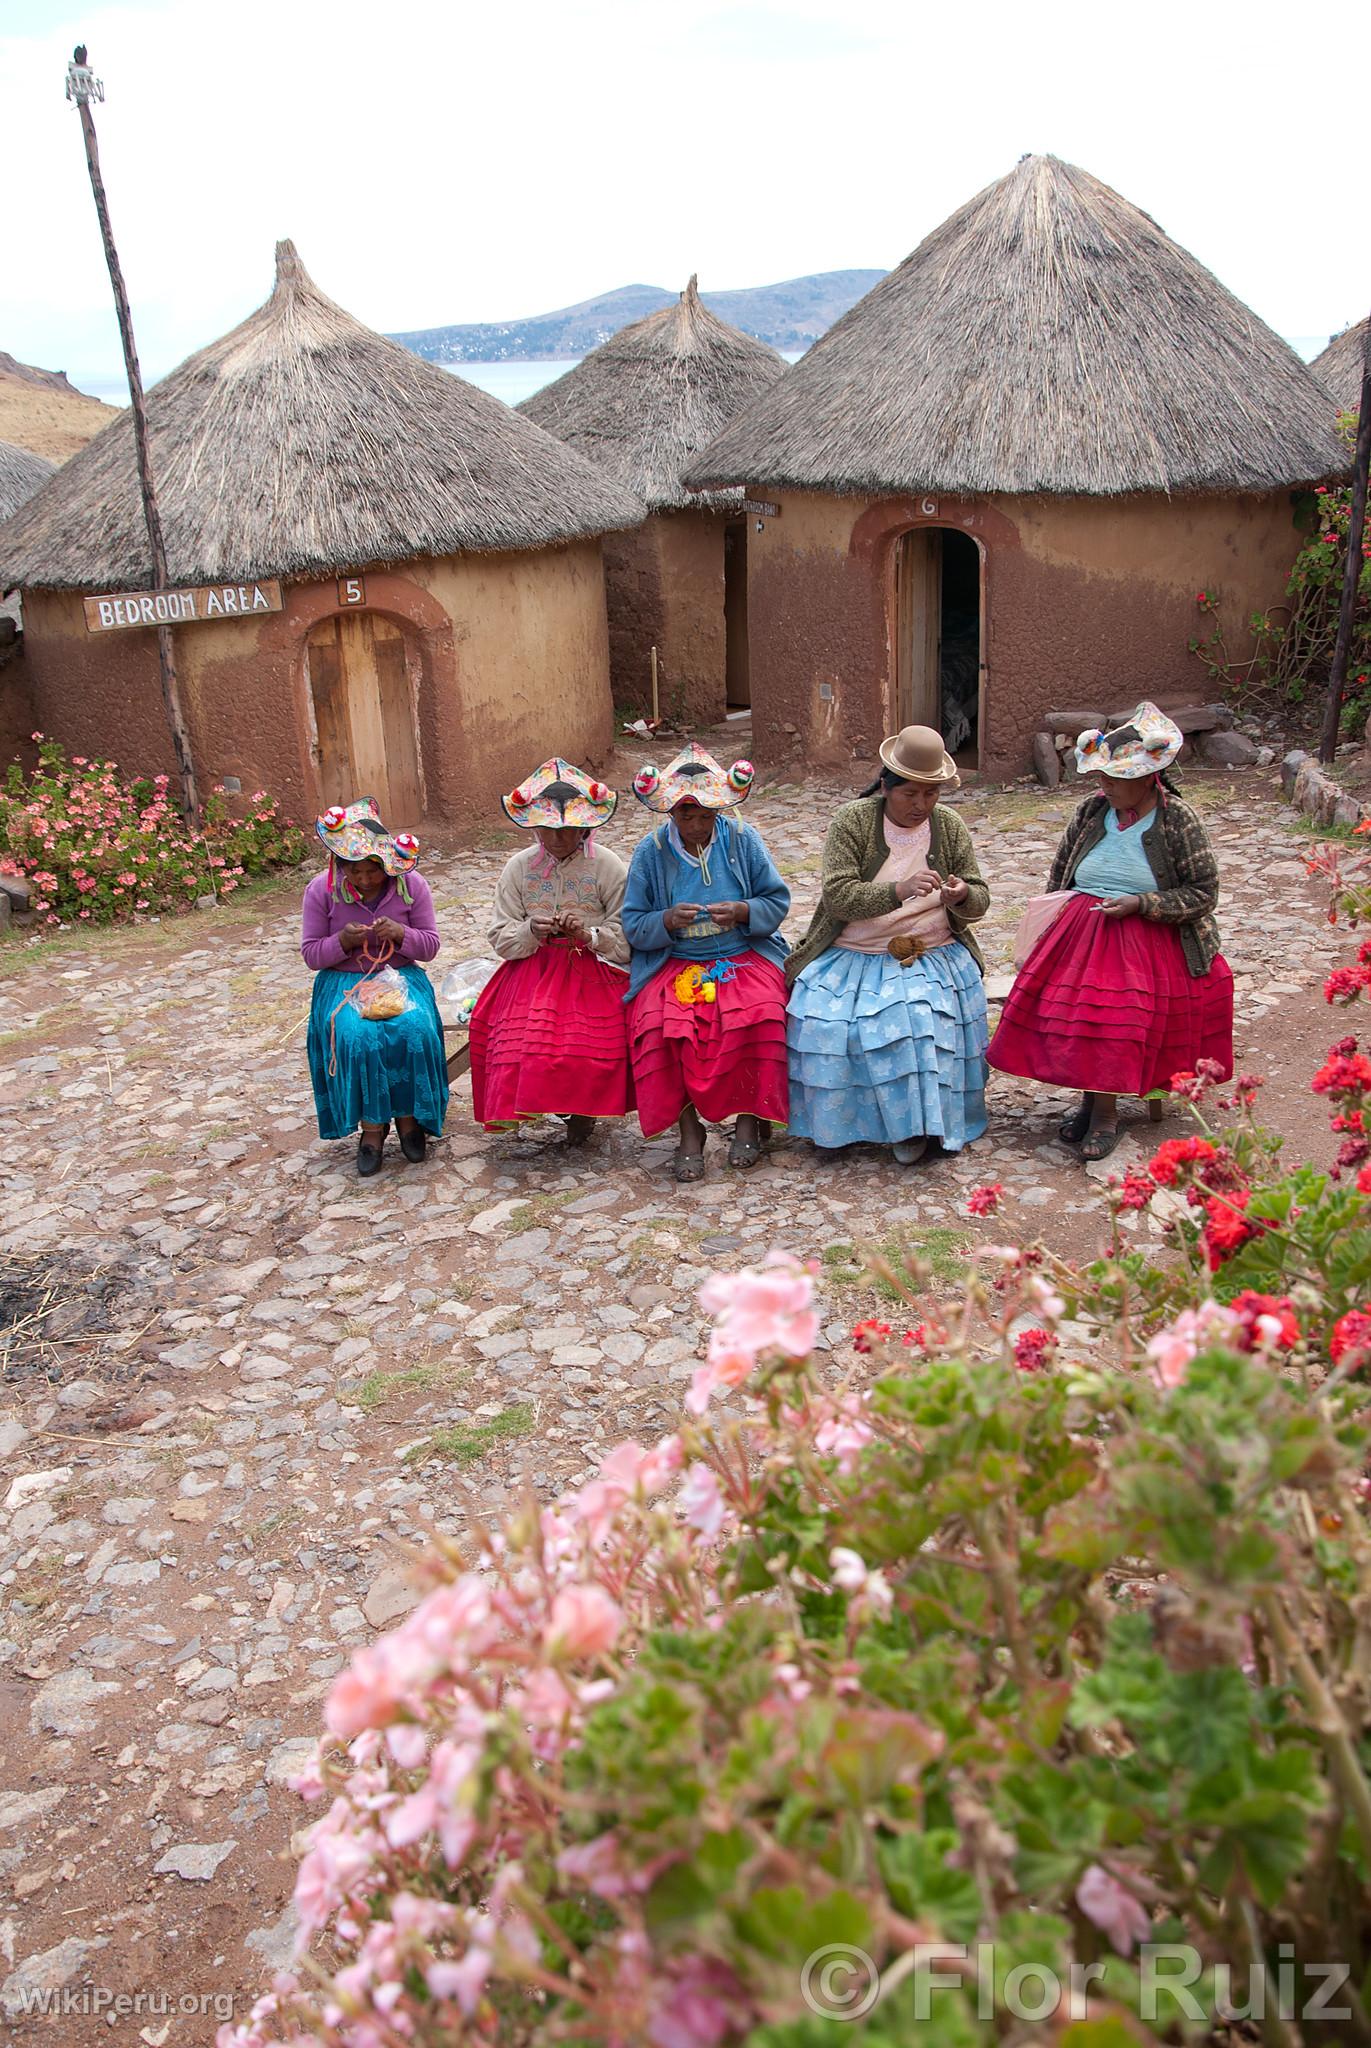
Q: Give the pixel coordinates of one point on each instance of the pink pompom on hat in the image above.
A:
(557, 795)
(695, 776)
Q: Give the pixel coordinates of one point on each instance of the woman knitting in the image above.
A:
(1127, 986)
(375, 1047)
(702, 913)
(887, 1014)
(549, 1035)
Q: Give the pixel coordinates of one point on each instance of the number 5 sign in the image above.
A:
(352, 590)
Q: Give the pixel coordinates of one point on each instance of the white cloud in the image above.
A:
(439, 163)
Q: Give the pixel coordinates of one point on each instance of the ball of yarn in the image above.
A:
(406, 843)
(599, 794)
(740, 775)
(518, 798)
(646, 780)
(333, 817)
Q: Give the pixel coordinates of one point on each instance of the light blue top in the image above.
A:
(736, 868)
(1118, 866)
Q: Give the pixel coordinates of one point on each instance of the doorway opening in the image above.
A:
(364, 688)
(737, 681)
(939, 658)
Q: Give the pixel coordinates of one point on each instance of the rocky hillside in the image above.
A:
(42, 411)
(789, 316)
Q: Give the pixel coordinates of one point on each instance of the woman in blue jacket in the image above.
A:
(702, 913)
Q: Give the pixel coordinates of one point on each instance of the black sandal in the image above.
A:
(687, 1167)
(1100, 1144)
(369, 1156)
(1078, 1123)
(744, 1152)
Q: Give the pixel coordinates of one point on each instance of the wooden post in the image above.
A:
(82, 86)
(1356, 527)
(656, 705)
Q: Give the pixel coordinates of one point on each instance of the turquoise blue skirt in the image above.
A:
(880, 1052)
(383, 1067)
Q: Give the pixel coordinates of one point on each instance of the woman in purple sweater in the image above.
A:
(369, 912)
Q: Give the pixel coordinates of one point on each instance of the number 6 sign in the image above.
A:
(352, 590)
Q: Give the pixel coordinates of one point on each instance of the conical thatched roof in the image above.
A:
(300, 444)
(1048, 337)
(655, 394)
(1338, 369)
(21, 472)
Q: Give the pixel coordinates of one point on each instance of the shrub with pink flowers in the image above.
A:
(98, 847)
(933, 1692)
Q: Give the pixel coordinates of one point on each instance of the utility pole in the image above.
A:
(83, 87)
(1356, 527)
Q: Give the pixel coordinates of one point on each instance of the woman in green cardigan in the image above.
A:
(887, 1024)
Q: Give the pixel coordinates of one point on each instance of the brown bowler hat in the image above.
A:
(917, 754)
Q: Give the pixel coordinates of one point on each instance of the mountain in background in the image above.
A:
(789, 316)
(43, 411)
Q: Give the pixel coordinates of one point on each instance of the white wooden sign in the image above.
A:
(181, 607)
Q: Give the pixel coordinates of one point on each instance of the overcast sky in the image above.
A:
(438, 162)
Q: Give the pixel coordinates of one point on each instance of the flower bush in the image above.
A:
(1023, 1675)
(1292, 645)
(97, 848)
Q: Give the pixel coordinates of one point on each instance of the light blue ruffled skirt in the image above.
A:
(881, 1052)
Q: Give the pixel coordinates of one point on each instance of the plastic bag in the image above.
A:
(461, 987)
(381, 996)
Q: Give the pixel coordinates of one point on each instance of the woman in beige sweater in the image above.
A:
(549, 1036)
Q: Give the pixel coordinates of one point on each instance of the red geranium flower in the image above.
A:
(1226, 1229)
(984, 1201)
(866, 1336)
(1032, 1348)
(1351, 1339)
(1136, 1192)
(1174, 1153)
(1268, 1322)
(1343, 1073)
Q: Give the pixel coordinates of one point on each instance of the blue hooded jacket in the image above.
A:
(743, 870)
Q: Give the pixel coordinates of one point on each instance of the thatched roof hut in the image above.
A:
(301, 443)
(1048, 337)
(654, 395)
(21, 473)
(1339, 368)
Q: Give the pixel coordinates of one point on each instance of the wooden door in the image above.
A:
(918, 627)
(364, 716)
(738, 682)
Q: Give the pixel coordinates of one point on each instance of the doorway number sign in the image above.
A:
(352, 590)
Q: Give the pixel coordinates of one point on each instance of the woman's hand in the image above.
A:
(680, 915)
(542, 929)
(353, 937)
(389, 928)
(922, 883)
(573, 926)
(730, 916)
(1121, 906)
(954, 891)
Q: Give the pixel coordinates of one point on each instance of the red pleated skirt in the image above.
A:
(1108, 1005)
(549, 1037)
(728, 1057)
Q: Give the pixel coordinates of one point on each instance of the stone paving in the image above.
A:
(275, 1378)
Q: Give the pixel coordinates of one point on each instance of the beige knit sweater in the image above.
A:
(592, 884)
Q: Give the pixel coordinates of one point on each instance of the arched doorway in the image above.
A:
(364, 689)
(939, 657)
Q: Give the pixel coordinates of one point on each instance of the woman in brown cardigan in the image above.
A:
(1127, 987)
(887, 1023)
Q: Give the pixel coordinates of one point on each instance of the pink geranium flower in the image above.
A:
(1113, 1909)
(584, 1622)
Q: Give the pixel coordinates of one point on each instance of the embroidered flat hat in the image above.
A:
(917, 754)
(1145, 744)
(355, 832)
(556, 794)
(693, 775)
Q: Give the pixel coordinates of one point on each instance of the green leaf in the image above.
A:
(925, 1888)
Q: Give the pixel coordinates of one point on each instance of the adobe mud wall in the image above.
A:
(1082, 598)
(512, 653)
(664, 588)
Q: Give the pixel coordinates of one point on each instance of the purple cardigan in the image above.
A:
(325, 916)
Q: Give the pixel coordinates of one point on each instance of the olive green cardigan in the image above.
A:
(854, 854)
